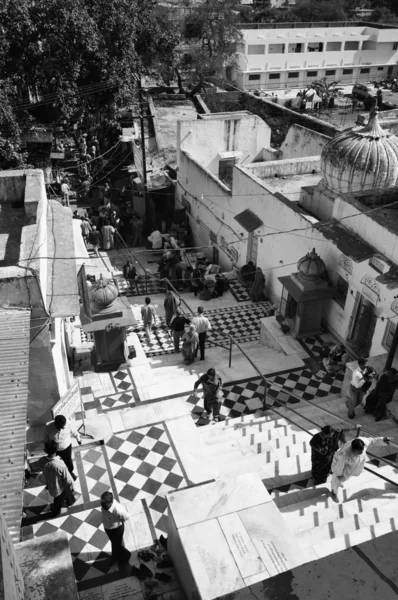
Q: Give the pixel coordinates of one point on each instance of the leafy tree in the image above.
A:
(208, 37)
(319, 10)
(11, 155)
(325, 89)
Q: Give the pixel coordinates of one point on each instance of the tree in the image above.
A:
(209, 35)
(319, 10)
(11, 155)
(325, 89)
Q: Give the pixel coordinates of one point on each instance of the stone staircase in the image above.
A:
(279, 451)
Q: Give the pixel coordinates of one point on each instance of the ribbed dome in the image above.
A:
(103, 293)
(359, 159)
(311, 267)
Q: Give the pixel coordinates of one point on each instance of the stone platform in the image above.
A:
(226, 535)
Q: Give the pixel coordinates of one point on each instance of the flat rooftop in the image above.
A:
(12, 221)
(315, 25)
(168, 112)
(290, 185)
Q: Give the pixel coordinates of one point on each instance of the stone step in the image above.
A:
(297, 439)
(354, 538)
(218, 436)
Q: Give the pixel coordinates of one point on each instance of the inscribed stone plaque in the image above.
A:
(93, 594)
(124, 589)
(275, 543)
(140, 530)
(210, 560)
(243, 550)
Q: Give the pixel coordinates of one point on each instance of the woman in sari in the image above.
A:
(171, 303)
(212, 390)
(323, 447)
(257, 289)
(190, 341)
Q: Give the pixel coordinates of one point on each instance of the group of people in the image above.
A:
(330, 453)
(253, 278)
(192, 332)
(378, 397)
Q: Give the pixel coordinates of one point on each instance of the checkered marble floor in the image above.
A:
(246, 397)
(239, 291)
(117, 391)
(243, 324)
(138, 465)
(139, 288)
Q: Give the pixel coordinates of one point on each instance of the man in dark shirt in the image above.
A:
(177, 326)
(94, 239)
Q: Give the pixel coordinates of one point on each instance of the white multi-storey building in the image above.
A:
(276, 55)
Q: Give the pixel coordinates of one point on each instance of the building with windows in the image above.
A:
(277, 55)
(335, 196)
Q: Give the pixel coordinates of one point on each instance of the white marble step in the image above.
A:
(295, 438)
(238, 425)
(354, 538)
(216, 436)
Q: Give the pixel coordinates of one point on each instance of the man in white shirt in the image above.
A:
(355, 392)
(114, 515)
(202, 326)
(61, 430)
(65, 192)
(349, 460)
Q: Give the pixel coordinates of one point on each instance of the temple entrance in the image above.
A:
(363, 325)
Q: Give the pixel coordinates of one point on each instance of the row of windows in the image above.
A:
(312, 47)
(296, 74)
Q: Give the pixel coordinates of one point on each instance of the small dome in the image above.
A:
(359, 159)
(311, 267)
(103, 293)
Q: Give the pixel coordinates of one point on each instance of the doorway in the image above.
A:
(363, 326)
(252, 245)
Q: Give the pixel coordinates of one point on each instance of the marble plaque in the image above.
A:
(217, 498)
(275, 543)
(125, 589)
(212, 565)
(93, 594)
(139, 526)
(243, 550)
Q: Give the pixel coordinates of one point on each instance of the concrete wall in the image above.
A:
(12, 186)
(301, 141)
(294, 166)
(206, 138)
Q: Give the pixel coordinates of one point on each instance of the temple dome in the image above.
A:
(103, 293)
(359, 159)
(311, 267)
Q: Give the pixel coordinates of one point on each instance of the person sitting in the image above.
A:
(129, 270)
(218, 289)
(336, 360)
(248, 273)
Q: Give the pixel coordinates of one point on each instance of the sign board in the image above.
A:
(12, 582)
(69, 403)
(59, 155)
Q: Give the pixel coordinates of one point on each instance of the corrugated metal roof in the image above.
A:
(14, 376)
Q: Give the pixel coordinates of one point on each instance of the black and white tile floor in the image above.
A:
(136, 465)
(242, 324)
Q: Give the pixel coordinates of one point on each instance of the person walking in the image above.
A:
(86, 229)
(94, 239)
(171, 303)
(355, 391)
(114, 516)
(323, 447)
(202, 326)
(61, 430)
(190, 342)
(56, 477)
(177, 325)
(212, 389)
(350, 460)
(65, 189)
(137, 239)
(148, 317)
(108, 233)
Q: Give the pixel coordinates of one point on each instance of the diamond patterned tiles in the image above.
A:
(243, 324)
(144, 466)
(139, 288)
(239, 291)
(238, 396)
(137, 465)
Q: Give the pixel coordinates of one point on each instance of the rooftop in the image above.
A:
(12, 220)
(316, 25)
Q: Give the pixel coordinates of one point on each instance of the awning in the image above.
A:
(248, 220)
(317, 293)
(14, 379)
